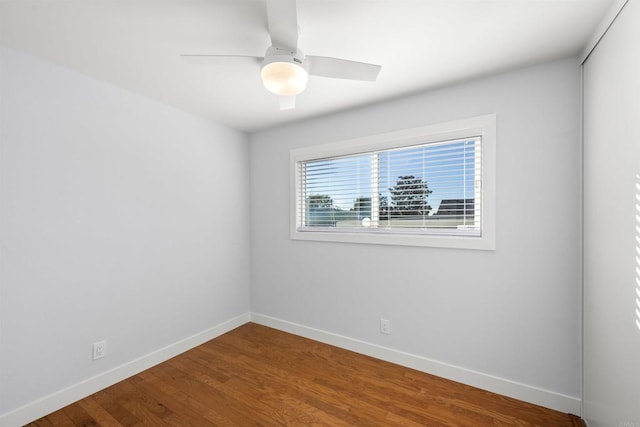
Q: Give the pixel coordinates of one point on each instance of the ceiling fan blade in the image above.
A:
(215, 59)
(342, 68)
(287, 102)
(282, 16)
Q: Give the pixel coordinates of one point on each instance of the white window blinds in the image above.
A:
(432, 188)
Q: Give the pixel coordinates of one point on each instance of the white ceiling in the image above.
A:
(421, 44)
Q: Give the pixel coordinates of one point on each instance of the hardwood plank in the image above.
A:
(98, 413)
(111, 399)
(198, 398)
(43, 422)
(256, 375)
(58, 418)
(79, 416)
(577, 421)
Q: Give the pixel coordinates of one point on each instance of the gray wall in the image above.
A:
(514, 312)
(612, 226)
(122, 219)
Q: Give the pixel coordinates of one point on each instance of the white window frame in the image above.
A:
(481, 126)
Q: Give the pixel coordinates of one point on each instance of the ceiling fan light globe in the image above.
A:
(284, 78)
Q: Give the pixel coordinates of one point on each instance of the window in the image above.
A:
(430, 186)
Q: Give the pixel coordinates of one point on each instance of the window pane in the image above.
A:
(430, 186)
(337, 192)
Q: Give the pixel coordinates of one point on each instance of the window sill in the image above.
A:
(397, 238)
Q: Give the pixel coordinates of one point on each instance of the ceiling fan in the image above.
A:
(285, 69)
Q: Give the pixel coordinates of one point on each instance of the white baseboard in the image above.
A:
(62, 398)
(505, 387)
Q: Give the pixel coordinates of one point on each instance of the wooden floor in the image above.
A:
(255, 376)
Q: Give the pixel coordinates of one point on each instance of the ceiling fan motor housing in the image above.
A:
(279, 54)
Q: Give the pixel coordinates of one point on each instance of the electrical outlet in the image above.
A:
(99, 349)
(385, 326)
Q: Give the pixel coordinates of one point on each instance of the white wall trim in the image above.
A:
(64, 397)
(602, 28)
(527, 393)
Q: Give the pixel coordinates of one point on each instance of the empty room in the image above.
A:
(308, 212)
